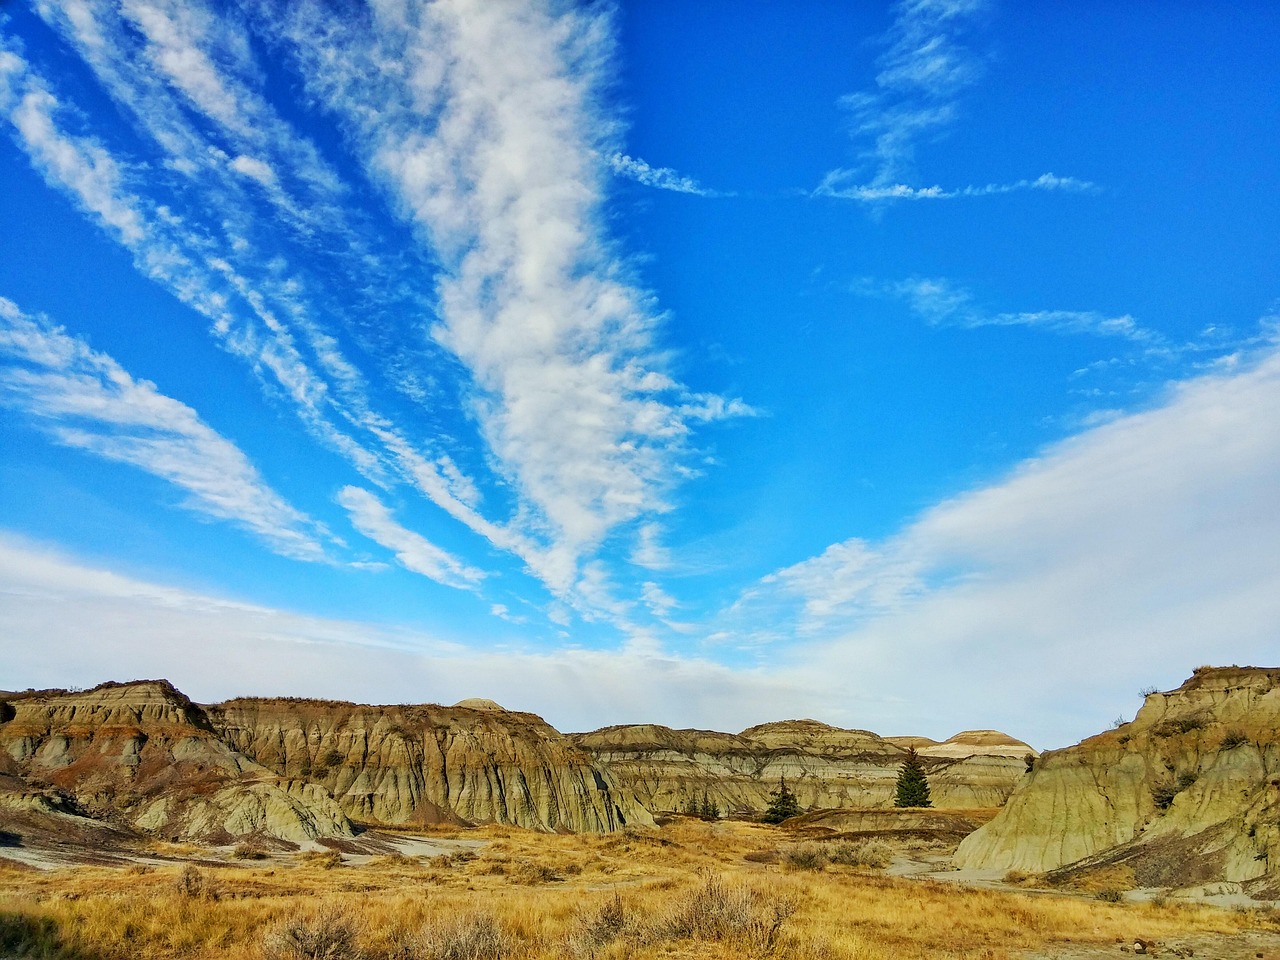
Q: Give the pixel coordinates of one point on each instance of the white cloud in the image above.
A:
(254, 169)
(663, 178)
(214, 648)
(923, 72)
(1124, 556)
(842, 185)
(941, 303)
(85, 400)
(483, 122)
(414, 551)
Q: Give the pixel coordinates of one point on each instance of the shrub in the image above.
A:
(596, 931)
(248, 851)
(1148, 691)
(1163, 793)
(469, 936)
(325, 859)
(535, 873)
(1109, 895)
(193, 884)
(866, 853)
(804, 856)
(717, 911)
(329, 934)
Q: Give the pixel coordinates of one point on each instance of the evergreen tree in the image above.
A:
(913, 785)
(782, 804)
(708, 809)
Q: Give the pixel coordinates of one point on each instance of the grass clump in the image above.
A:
(330, 934)
(1232, 739)
(468, 936)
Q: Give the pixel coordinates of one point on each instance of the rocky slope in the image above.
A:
(1187, 793)
(426, 764)
(826, 767)
(141, 757)
(144, 756)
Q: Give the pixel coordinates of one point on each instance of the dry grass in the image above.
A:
(688, 891)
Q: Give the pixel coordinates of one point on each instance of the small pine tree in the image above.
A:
(913, 785)
(782, 804)
(708, 809)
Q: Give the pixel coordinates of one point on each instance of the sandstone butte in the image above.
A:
(143, 757)
(1188, 793)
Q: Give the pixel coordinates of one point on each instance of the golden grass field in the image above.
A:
(687, 890)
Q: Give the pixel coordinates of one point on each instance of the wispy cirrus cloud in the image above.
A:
(484, 127)
(927, 65)
(840, 184)
(663, 178)
(415, 552)
(257, 314)
(84, 399)
(942, 303)
(483, 123)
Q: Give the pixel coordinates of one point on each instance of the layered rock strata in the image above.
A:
(826, 767)
(143, 755)
(428, 764)
(1187, 793)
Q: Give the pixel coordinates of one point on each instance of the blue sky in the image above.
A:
(907, 366)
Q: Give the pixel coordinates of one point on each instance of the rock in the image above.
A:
(143, 756)
(825, 766)
(1186, 794)
(431, 764)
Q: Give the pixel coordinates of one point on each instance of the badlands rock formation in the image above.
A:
(143, 755)
(426, 764)
(1186, 794)
(824, 766)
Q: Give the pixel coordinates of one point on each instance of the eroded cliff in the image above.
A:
(1187, 793)
(825, 766)
(144, 756)
(428, 764)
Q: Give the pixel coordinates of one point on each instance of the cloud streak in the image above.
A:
(85, 400)
(663, 178)
(941, 303)
(926, 67)
(415, 552)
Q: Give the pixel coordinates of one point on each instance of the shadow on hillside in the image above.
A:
(24, 936)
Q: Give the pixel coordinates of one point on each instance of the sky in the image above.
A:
(912, 367)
